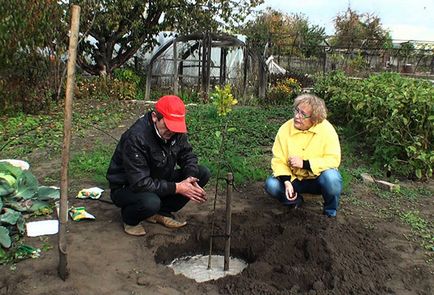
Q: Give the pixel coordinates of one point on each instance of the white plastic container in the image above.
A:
(18, 163)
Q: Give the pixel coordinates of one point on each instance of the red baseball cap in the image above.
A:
(173, 110)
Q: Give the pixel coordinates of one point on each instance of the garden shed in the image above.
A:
(202, 60)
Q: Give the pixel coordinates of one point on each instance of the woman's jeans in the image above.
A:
(328, 184)
(137, 206)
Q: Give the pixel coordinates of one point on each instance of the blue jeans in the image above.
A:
(328, 184)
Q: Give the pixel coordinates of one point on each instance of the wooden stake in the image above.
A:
(228, 221)
(175, 68)
(70, 84)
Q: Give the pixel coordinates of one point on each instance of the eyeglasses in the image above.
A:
(300, 112)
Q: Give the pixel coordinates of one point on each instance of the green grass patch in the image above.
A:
(247, 147)
(356, 201)
(92, 164)
(416, 193)
(22, 134)
(420, 227)
(413, 219)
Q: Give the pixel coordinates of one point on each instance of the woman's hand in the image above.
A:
(295, 162)
(290, 194)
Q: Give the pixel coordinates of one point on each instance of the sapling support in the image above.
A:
(70, 82)
(230, 182)
(223, 99)
(221, 152)
(227, 234)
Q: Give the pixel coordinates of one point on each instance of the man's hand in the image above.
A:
(295, 162)
(290, 194)
(191, 189)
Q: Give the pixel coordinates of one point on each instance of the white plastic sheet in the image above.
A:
(41, 228)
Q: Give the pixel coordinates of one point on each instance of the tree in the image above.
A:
(287, 34)
(270, 27)
(354, 30)
(118, 28)
(405, 51)
(28, 29)
(309, 38)
(31, 35)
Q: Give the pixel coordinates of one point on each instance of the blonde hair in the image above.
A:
(319, 110)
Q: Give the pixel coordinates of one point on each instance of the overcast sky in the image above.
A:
(405, 19)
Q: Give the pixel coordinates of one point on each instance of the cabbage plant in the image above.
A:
(20, 194)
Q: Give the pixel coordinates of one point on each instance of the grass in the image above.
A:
(22, 134)
(92, 164)
(420, 227)
(413, 219)
(247, 147)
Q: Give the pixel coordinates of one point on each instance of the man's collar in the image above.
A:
(158, 133)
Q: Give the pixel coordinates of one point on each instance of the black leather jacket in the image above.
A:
(145, 162)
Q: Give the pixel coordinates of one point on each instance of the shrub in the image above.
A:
(394, 114)
(126, 75)
(303, 79)
(31, 90)
(284, 91)
(190, 96)
(124, 85)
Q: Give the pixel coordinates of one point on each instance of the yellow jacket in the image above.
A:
(319, 144)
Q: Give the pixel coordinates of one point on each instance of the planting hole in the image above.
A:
(196, 267)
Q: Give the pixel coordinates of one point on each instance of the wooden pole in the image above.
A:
(230, 179)
(175, 68)
(148, 81)
(262, 76)
(204, 62)
(70, 83)
(208, 65)
(245, 65)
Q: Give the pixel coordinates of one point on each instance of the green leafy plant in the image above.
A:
(284, 91)
(394, 114)
(128, 75)
(19, 193)
(223, 99)
(413, 219)
(419, 227)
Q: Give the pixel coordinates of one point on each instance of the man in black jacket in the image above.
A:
(153, 171)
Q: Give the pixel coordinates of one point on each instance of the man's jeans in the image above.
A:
(328, 184)
(137, 206)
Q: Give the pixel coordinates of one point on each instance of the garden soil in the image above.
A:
(288, 251)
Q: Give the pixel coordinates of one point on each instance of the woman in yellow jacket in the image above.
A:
(306, 155)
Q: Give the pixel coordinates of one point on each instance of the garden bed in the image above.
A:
(365, 250)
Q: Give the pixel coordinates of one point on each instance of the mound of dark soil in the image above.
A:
(295, 251)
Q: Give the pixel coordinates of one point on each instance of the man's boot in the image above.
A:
(134, 230)
(166, 221)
